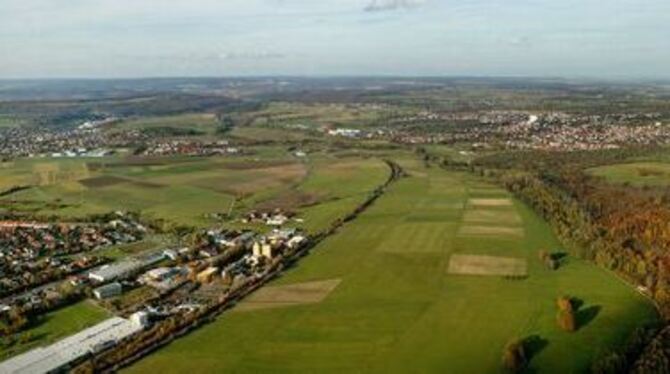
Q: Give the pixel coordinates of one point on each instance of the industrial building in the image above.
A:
(109, 290)
(115, 271)
(125, 268)
(64, 352)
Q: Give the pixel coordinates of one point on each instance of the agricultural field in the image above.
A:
(183, 124)
(635, 173)
(56, 325)
(9, 122)
(313, 116)
(185, 190)
(437, 276)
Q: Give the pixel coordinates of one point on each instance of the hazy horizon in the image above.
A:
(101, 39)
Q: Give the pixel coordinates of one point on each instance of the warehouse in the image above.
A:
(109, 290)
(112, 272)
(70, 349)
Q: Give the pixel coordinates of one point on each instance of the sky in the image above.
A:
(163, 38)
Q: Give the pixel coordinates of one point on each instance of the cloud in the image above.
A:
(251, 55)
(520, 41)
(386, 5)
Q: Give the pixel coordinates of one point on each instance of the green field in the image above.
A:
(396, 307)
(637, 173)
(184, 190)
(57, 325)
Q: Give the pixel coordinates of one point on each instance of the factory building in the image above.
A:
(59, 355)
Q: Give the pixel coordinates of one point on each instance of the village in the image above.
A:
(91, 140)
(177, 282)
(518, 130)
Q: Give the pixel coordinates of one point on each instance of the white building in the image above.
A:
(58, 355)
(112, 272)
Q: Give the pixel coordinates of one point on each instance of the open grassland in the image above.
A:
(56, 325)
(398, 309)
(637, 173)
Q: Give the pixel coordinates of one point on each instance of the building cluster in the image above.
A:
(24, 241)
(33, 254)
(276, 217)
(128, 267)
(18, 276)
(184, 147)
(349, 133)
(42, 142)
(543, 131)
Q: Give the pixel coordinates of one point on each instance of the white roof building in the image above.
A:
(63, 352)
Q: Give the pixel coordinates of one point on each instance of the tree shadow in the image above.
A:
(577, 303)
(532, 346)
(586, 315)
(559, 256)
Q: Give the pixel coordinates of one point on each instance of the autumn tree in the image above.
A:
(566, 314)
(514, 356)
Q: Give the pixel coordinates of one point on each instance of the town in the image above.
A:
(187, 282)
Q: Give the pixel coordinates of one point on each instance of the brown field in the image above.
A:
(487, 265)
(246, 182)
(490, 202)
(473, 230)
(102, 181)
(486, 191)
(289, 200)
(111, 180)
(289, 295)
(264, 164)
(271, 177)
(492, 216)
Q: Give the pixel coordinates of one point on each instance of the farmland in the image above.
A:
(396, 308)
(184, 190)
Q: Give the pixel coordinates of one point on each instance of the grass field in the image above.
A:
(57, 325)
(637, 173)
(396, 308)
(184, 190)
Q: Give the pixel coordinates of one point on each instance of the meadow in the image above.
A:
(648, 173)
(388, 301)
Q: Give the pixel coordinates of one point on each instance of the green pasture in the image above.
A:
(398, 310)
(637, 173)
